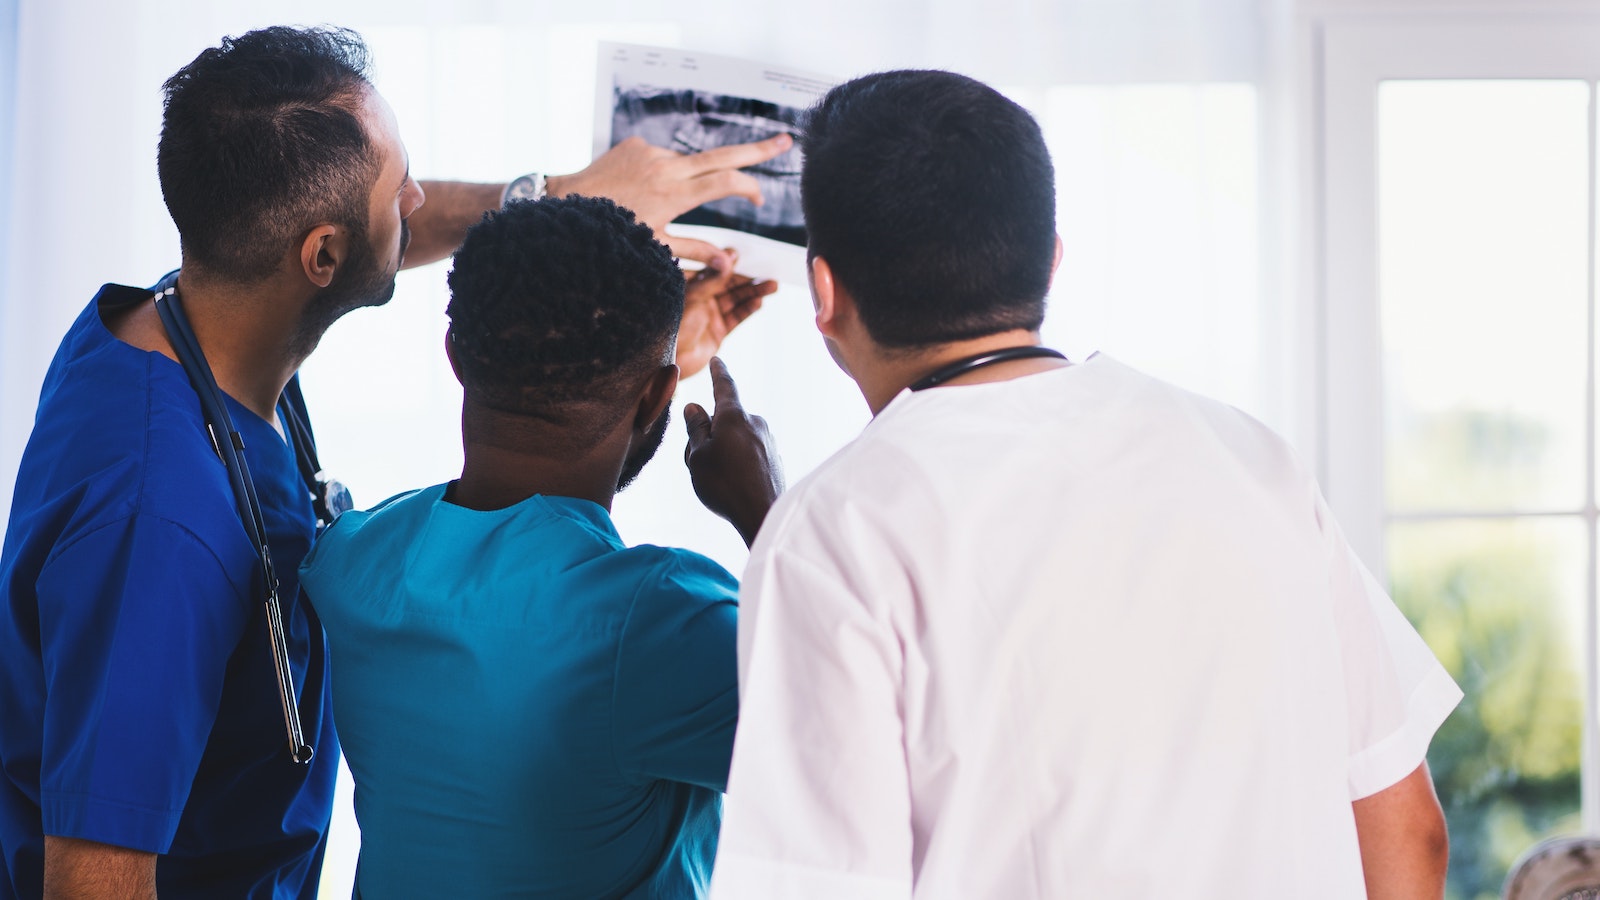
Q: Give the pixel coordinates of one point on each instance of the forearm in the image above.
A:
(85, 870)
(440, 224)
(1405, 849)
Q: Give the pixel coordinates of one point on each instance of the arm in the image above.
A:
(84, 870)
(1404, 846)
(675, 700)
(657, 184)
(137, 623)
(732, 460)
(441, 222)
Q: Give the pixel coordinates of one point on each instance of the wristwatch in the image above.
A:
(529, 187)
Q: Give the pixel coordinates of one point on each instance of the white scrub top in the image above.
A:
(1078, 634)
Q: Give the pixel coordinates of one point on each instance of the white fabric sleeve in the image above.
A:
(818, 799)
(1398, 693)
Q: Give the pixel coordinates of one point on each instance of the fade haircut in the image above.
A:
(932, 197)
(261, 140)
(557, 306)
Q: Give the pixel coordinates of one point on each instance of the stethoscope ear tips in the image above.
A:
(301, 754)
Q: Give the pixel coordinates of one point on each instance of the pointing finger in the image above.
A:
(737, 156)
(722, 387)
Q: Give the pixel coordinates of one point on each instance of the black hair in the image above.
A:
(932, 197)
(556, 302)
(261, 140)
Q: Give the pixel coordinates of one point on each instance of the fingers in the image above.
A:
(739, 313)
(713, 256)
(717, 185)
(714, 280)
(737, 156)
(723, 390)
(698, 425)
(741, 290)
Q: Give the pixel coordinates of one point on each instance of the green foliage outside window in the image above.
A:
(1499, 602)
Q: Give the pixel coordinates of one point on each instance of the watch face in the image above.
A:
(528, 187)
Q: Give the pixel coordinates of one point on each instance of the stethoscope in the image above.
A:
(963, 366)
(329, 497)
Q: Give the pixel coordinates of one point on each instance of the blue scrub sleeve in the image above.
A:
(676, 696)
(137, 620)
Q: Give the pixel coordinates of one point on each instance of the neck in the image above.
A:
(888, 372)
(250, 335)
(509, 458)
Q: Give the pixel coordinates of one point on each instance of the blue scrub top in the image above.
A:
(529, 707)
(138, 701)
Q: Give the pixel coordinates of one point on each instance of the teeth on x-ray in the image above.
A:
(694, 121)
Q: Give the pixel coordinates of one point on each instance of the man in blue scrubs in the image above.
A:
(141, 736)
(531, 707)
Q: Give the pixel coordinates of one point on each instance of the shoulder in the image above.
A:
(679, 597)
(115, 449)
(673, 574)
(1193, 429)
(866, 496)
(370, 530)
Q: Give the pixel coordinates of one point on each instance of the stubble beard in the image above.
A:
(360, 282)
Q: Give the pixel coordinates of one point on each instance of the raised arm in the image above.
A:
(84, 870)
(1404, 846)
(657, 184)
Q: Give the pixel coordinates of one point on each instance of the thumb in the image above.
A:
(698, 425)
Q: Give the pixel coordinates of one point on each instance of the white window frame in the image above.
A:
(1354, 55)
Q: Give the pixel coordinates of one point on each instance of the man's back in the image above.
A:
(1089, 635)
(529, 708)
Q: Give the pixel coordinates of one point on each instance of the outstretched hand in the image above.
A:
(715, 301)
(733, 462)
(660, 185)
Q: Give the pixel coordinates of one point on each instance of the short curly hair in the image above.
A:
(561, 301)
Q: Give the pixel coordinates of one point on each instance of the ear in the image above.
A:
(826, 297)
(655, 396)
(1055, 264)
(321, 253)
(450, 353)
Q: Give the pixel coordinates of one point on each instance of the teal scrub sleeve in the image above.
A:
(676, 694)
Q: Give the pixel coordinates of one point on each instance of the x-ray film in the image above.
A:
(693, 102)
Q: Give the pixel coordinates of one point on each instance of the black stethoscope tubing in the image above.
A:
(988, 358)
(230, 446)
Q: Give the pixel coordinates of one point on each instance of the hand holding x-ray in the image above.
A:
(705, 106)
(715, 301)
(660, 185)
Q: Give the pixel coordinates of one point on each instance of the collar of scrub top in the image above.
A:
(230, 446)
(963, 366)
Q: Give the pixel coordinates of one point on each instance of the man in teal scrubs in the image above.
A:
(530, 707)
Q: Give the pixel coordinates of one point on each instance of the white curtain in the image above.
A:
(1159, 112)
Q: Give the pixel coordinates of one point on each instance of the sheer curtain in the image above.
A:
(1159, 112)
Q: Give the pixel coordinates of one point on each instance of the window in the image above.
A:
(1460, 375)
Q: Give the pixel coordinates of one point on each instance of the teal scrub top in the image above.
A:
(529, 707)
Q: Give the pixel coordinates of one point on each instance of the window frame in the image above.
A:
(1353, 56)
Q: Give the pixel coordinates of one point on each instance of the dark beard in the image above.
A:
(634, 464)
(360, 282)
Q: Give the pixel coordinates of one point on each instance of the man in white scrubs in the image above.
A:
(1047, 629)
